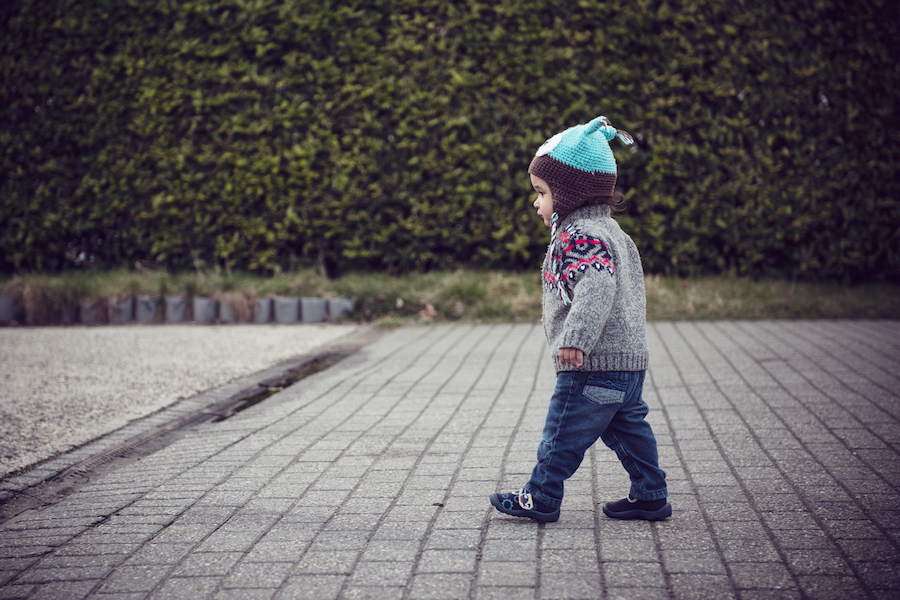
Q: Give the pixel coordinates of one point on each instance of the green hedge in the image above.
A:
(395, 134)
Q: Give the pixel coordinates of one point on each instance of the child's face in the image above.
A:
(544, 201)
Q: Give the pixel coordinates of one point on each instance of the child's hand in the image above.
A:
(571, 356)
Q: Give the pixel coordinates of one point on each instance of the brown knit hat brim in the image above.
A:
(572, 187)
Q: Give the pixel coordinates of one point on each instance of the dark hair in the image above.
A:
(616, 202)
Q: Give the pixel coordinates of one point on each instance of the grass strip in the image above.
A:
(480, 296)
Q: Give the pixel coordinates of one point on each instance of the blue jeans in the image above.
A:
(591, 404)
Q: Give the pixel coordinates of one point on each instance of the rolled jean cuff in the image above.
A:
(647, 496)
(537, 495)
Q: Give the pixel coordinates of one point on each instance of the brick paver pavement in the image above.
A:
(371, 479)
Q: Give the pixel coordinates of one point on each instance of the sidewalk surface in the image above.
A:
(371, 479)
(61, 387)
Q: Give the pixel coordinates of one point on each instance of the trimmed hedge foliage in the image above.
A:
(395, 134)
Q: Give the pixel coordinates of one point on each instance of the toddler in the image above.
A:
(594, 315)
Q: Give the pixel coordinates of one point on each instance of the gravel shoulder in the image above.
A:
(61, 387)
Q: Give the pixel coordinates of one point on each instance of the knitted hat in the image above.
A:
(579, 165)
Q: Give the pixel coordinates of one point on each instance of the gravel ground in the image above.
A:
(61, 387)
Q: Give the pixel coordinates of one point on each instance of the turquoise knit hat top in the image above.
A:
(579, 165)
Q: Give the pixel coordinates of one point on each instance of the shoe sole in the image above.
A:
(647, 515)
(530, 514)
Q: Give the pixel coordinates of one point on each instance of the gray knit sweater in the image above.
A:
(594, 293)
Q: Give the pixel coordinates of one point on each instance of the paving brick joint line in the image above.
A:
(781, 441)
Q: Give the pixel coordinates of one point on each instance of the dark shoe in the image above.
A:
(628, 508)
(520, 504)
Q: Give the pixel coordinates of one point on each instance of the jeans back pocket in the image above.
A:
(604, 391)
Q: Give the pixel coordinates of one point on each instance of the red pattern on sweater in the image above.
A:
(576, 253)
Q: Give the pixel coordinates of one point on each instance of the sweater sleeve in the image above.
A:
(590, 276)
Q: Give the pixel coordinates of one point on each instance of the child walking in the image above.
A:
(594, 315)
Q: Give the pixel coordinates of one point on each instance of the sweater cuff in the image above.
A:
(576, 339)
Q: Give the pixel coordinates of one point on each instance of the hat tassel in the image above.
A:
(625, 137)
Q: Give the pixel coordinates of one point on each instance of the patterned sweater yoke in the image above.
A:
(594, 293)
